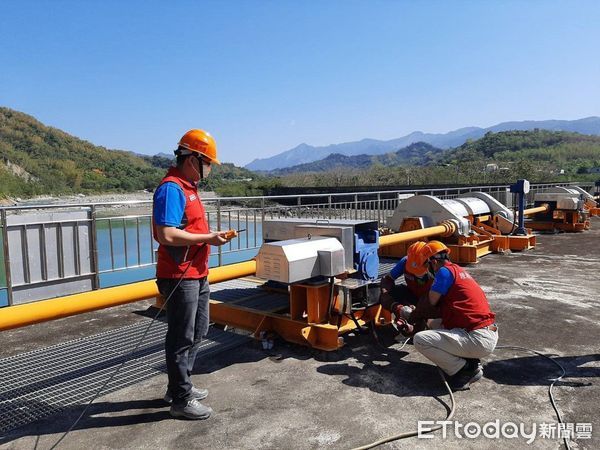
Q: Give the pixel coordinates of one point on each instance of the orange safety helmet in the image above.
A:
(433, 248)
(199, 141)
(415, 263)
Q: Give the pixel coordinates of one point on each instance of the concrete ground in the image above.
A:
(292, 397)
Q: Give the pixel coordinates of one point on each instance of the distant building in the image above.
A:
(594, 170)
(491, 167)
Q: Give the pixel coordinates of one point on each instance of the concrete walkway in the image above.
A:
(292, 397)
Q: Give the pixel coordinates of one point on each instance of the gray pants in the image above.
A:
(187, 318)
(448, 348)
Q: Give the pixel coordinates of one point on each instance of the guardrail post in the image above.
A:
(94, 253)
(220, 247)
(329, 207)
(355, 206)
(9, 293)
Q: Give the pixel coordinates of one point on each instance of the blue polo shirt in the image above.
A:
(398, 268)
(443, 281)
(169, 205)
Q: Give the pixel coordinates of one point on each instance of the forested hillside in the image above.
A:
(36, 159)
(418, 153)
(538, 155)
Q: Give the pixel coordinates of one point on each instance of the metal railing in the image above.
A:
(47, 253)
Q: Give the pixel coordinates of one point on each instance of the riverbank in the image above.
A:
(76, 199)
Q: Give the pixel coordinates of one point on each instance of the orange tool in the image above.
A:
(230, 234)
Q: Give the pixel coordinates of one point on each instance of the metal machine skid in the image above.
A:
(482, 240)
(314, 318)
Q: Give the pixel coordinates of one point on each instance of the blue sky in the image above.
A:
(265, 76)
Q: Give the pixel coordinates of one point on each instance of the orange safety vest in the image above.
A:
(174, 260)
(465, 304)
(417, 285)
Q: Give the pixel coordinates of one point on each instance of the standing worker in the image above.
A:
(414, 293)
(184, 237)
(468, 328)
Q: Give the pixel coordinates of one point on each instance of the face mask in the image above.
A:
(430, 270)
(203, 173)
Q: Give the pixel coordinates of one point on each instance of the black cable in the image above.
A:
(453, 407)
(416, 433)
(126, 360)
(550, 394)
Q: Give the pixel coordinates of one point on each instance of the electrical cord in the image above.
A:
(416, 433)
(126, 360)
(550, 393)
(453, 404)
(452, 400)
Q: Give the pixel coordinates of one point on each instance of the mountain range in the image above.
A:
(305, 153)
(415, 154)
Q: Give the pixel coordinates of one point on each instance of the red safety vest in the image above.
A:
(417, 285)
(465, 304)
(173, 260)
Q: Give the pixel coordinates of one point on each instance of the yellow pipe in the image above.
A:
(537, 209)
(446, 229)
(56, 308)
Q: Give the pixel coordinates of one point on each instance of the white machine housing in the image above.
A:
(567, 198)
(295, 260)
(433, 211)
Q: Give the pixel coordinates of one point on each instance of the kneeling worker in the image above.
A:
(468, 329)
(414, 293)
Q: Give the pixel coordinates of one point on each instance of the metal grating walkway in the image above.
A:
(43, 382)
(385, 265)
(38, 384)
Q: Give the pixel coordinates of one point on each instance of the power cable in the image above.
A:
(550, 388)
(416, 433)
(126, 360)
(453, 404)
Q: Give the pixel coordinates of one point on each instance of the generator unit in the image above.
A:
(568, 209)
(359, 240)
(478, 223)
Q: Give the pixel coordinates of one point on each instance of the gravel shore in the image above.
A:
(139, 196)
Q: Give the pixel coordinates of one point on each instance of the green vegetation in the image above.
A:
(538, 155)
(36, 159)
(418, 153)
(228, 180)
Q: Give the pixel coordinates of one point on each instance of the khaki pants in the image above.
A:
(448, 348)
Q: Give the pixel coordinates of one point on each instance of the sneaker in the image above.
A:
(473, 363)
(193, 409)
(462, 379)
(198, 394)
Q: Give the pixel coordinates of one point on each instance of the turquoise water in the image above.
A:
(236, 251)
(126, 235)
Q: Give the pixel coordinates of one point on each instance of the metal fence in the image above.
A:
(53, 250)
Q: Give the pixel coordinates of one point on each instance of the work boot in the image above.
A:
(198, 394)
(193, 409)
(473, 363)
(462, 379)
